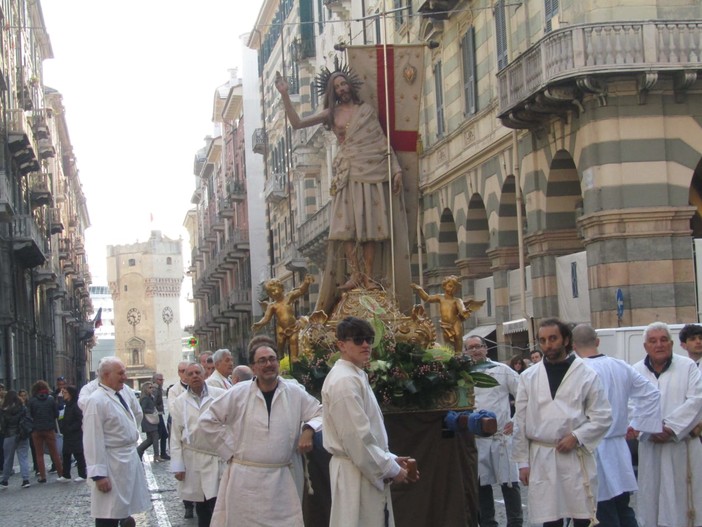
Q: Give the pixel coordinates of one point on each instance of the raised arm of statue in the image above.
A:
(296, 121)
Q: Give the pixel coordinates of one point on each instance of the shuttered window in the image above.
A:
(501, 34)
(550, 10)
(469, 77)
(438, 89)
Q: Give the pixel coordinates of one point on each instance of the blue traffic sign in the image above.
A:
(620, 303)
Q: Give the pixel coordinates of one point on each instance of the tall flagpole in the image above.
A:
(388, 152)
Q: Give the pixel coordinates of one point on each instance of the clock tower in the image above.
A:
(145, 281)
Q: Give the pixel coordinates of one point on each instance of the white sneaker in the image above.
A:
(61, 479)
(79, 479)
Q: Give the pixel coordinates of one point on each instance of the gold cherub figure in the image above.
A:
(287, 326)
(453, 310)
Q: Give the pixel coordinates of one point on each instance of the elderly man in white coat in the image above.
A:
(110, 435)
(670, 462)
(628, 392)
(562, 414)
(495, 463)
(126, 392)
(259, 427)
(196, 465)
(362, 467)
(224, 366)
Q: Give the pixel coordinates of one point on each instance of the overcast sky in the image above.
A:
(138, 79)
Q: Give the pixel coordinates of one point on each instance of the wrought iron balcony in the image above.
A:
(55, 223)
(236, 190)
(438, 9)
(40, 189)
(258, 141)
(29, 243)
(552, 76)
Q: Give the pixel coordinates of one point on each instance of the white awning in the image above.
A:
(482, 331)
(514, 326)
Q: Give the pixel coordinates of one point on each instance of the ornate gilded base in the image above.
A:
(318, 328)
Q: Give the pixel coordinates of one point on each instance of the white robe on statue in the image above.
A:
(258, 486)
(664, 493)
(494, 453)
(110, 436)
(561, 485)
(355, 436)
(623, 384)
(191, 451)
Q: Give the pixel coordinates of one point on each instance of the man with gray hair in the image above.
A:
(224, 365)
(242, 373)
(109, 438)
(173, 392)
(127, 393)
(622, 384)
(670, 461)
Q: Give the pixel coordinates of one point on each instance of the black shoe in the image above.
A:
(127, 522)
(41, 481)
(165, 456)
(25, 484)
(188, 514)
(3, 486)
(52, 470)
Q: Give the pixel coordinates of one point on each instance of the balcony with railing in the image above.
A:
(258, 141)
(291, 258)
(55, 222)
(29, 243)
(274, 189)
(551, 76)
(40, 189)
(437, 9)
(236, 190)
(236, 246)
(20, 141)
(240, 299)
(313, 233)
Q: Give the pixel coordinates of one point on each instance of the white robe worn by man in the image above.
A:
(258, 487)
(191, 452)
(110, 436)
(670, 473)
(623, 385)
(561, 485)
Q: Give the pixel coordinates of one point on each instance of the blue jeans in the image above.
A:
(616, 512)
(11, 445)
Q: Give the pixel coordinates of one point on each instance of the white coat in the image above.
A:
(355, 436)
(127, 394)
(258, 487)
(110, 435)
(624, 387)
(218, 381)
(561, 485)
(494, 453)
(191, 451)
(664, 493)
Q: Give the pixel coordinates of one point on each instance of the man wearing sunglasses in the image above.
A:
(260, 426)
(361, 467)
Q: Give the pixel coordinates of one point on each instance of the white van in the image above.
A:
(627, 343)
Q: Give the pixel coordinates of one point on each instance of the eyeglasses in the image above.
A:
(265, 360)
(358, 341)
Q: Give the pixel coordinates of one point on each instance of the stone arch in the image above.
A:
(477, 228)
(695, 199)
(506, 235)
(564, 199)
(448, 240)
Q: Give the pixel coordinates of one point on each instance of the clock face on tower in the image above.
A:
(167, 315)
(133, 316)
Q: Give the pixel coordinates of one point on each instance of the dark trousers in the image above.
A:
(513, 505)
(106, 522)
(616, 512)
(80, 459)
(576, 523)
(204, 510)
(163, 435)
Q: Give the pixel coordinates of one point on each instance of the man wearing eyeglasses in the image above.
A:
(362, 467)
(494, 453)
(260, 427)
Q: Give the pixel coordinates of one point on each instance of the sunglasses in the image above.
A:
(358, 341)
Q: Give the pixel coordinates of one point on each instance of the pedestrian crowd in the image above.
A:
(234, 436)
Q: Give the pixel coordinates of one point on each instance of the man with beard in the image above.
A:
(562, 414)
(260, 427)
(196, 466)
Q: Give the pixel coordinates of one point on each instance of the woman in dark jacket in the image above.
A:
(148, 406)
(10, 416)
(43, 409)
(72, 430)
